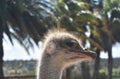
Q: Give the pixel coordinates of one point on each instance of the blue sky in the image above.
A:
(17, 52)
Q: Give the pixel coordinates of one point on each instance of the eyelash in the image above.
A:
(72, 44)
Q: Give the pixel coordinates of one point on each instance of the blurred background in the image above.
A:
(23, 23)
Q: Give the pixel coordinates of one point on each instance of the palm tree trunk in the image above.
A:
(110, 64)
(2, 24)
(1, 49)
(68, 73)
(2, 13)
(85, 70)
(97, 65)
(1, 58)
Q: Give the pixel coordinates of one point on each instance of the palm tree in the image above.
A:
(112, 7)
(98, 41)
(75, 16)
(106, 7)
(28, 19)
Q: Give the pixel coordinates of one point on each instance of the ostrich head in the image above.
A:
(65, 49)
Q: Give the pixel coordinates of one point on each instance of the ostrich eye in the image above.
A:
(72, 44)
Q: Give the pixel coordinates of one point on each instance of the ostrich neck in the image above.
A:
(49, 69)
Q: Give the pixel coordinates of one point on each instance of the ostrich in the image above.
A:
(60, 50)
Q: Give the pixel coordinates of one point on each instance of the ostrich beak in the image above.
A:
(88, 53)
